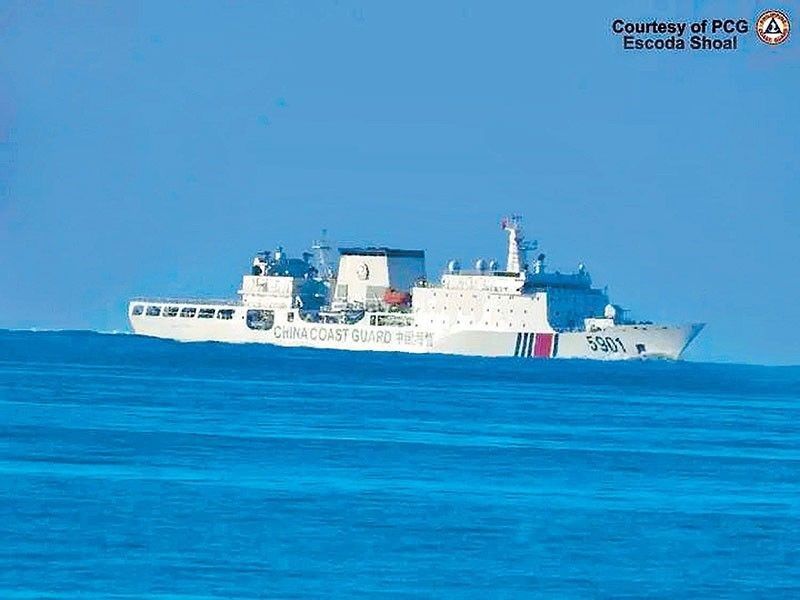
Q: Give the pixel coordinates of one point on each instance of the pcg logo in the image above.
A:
(772, 27)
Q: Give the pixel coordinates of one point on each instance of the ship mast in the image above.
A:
(517, 246)
(322, 248)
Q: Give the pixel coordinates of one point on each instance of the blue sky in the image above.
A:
(150, 149)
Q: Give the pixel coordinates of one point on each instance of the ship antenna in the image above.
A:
(517, 245)
(322, 248)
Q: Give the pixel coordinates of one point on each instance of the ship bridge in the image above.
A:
(522, 296)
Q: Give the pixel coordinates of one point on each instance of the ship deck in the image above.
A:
(193, 301)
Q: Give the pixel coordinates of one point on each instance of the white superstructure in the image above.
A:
(379, 299)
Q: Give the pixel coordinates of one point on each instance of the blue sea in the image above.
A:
(142, 468)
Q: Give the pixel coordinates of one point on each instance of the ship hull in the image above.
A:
(619, 342)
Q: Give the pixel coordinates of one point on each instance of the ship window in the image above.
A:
(341, 290)
(260, 319)
(206, 313)
(225, 313)
(153, 311)
(170, 311)
(290, 317)
(137, 310)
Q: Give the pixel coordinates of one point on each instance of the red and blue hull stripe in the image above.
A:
(536, 345)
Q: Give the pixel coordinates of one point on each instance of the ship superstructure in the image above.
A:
(379, 298)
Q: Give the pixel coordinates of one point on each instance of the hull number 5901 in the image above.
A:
(598, 343)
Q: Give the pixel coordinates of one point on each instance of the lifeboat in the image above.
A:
(395, 298)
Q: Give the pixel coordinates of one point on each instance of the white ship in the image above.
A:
(379, 299)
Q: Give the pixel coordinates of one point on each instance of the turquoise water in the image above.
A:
(139, 468)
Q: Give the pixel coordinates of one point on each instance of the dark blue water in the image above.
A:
(138, 468)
